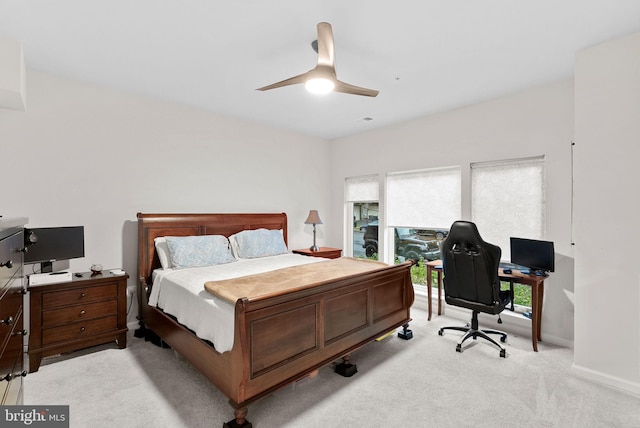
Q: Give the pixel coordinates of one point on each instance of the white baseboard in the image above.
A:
(133, 325)
(607, 380)
(512, 322)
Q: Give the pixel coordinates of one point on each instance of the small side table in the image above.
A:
(326, 252)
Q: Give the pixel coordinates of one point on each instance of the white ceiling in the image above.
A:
(424, 56)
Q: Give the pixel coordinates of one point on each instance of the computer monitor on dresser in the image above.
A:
(55, 243)
(538, 256)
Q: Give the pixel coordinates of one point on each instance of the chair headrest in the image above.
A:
(465, 231)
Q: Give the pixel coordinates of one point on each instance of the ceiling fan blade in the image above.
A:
(326, 53)
(300, 78)
(354, 90)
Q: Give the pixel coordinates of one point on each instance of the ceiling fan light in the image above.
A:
(319, 85)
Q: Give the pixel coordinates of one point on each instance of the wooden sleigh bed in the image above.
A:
(281, 337)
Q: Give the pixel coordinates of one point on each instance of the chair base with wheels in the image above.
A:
(473, 331)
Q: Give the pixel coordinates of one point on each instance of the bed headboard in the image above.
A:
(151, 226)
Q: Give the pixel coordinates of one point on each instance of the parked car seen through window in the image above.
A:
(409, 243)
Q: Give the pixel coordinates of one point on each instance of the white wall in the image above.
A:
(12, 75)
(535, 122)
(607, 201)
(85, 155)
(81, 154)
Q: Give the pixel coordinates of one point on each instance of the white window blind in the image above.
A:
(362, 189)
(508, 199)
(427, 198)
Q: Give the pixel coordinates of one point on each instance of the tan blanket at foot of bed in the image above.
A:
(290, 279)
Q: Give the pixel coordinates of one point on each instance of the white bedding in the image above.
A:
(181, 293)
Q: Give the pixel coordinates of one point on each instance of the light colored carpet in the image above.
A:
(418, 383)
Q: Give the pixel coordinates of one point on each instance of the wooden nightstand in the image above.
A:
(67, 316)
(327, 252)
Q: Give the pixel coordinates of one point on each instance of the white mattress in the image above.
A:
(181, 293)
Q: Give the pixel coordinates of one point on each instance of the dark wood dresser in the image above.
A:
(12, 290)
(67, 316)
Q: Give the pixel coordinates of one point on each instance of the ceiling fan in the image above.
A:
(322, 78)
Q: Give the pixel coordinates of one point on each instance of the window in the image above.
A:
(428, 198)
(508, 199)
(365, 230)
(421, 206)
(361, 206)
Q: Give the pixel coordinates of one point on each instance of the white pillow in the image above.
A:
(197, 251)
(234, 246)
(250, 244)
(163, 252)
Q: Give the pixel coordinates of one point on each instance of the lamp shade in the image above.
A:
(313, 218)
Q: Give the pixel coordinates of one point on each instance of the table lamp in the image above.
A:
(313, 219)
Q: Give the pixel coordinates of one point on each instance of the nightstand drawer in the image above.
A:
(79, 295)
(80, 312)
(79, 330)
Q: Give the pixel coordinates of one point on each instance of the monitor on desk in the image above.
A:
(537, 255)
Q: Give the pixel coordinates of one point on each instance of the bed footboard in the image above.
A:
(286, 338)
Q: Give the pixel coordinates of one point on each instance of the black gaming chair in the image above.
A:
(471, 280)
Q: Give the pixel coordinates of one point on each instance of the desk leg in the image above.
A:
(440, 308)
(511, 294)
(429, 283)
(535, 316)
(540, 299)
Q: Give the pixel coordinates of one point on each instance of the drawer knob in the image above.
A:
(8, 321)
(83, 295)
(20, 333)
(82, 312)
(82, 329)
(8, 264)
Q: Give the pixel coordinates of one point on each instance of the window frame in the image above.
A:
(369, 193)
